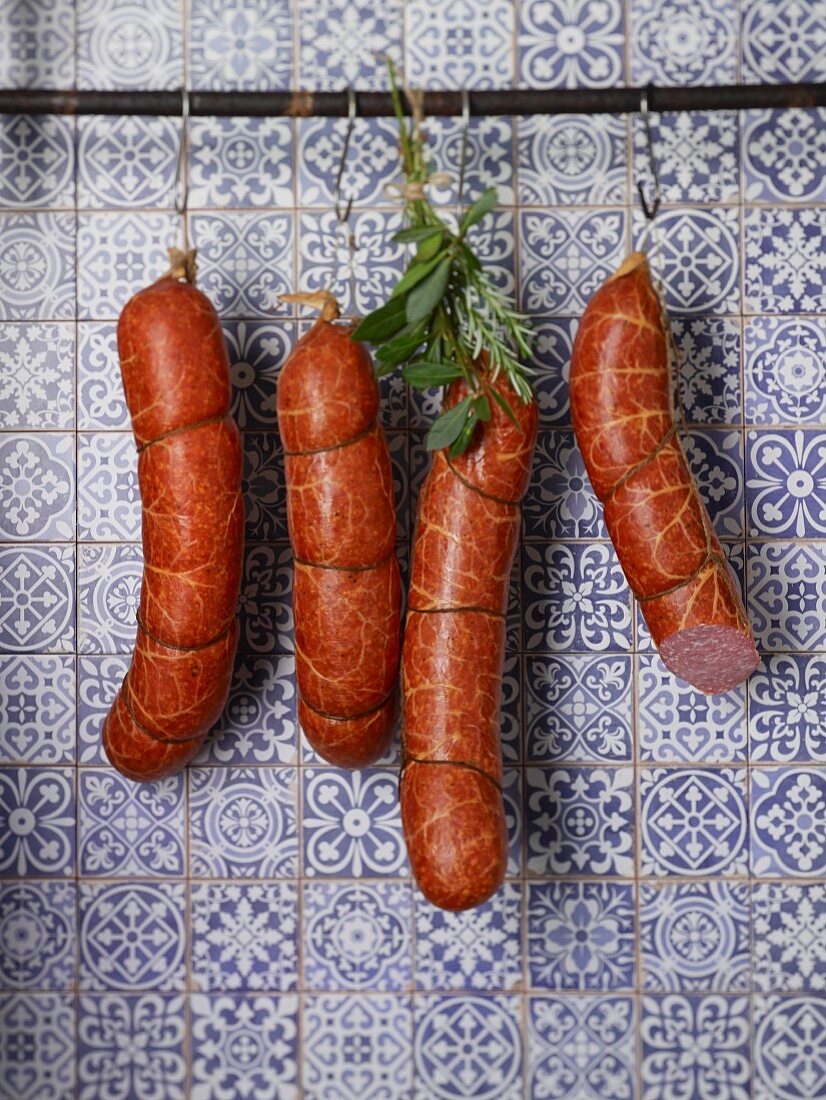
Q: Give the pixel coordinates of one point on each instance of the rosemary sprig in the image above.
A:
(444, 312)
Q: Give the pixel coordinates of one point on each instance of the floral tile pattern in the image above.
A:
(785, 259)
(37, 270)
(98, 682)
(451, 44)
(37, 701)
(782, 41)
(345, 44)
(124, 44)
(108, 497)
(560, 503)
(683, 42)
(240, 162)
(707, 384)
(37, 935)
(567, 159)
(37, 822)
(788, 834)
(785, 376)
(117, 255)
(243, 46)
(789, 951)
(361, 1044)
(109, 580)
(786, 721)
(37, 492)
(40, 45)
(789, 1046)
(697, 155)
(126, 161)
(786, 484)
(37, 161)
(565, 45)
(783, 155)
(37, 380)
(36, 1049)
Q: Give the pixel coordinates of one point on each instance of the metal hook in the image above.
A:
(463, 150)
(649, 211)
(181, 188)
(343, 215)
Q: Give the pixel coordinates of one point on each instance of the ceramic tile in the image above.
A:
(786, 721)
(787, 589)
(38, 935)
(37, 599)
(565, 45)
(789, 1047)
(361, 1046)
(37, 380)
(98, 682)
(785, 259)
(560, 503)
(108, 497)
(788, 831)
(109, 581)
(244, 162)
(683, 41)
(696, 153)
(245, 46)
(126, 161)
(37, 267)
(101, 401)
(451, 44)
(37, 701)
(37, 1052)
(552, 347)
(125, 44)
(786, 484)
(789, 952)
(343, 44)
(783, 155)
(37, 820)
(785, 376)
(707, 371)
(265, 609)
(37, 490)
(257, 351)
(37, 161)
(118, 254)
(244, 261)
(782, 41)
(564, 160)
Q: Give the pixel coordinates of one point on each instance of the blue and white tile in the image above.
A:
(37, 487)
(37, 1050)
(242, 823)
(578, 708)
(130, 1046)
(244, 937)
(580, 935)
(37, 267)
(565, 160)
(560, 503)
(707, 386)
(98, 682)
(787, 595)
(130, 829)
(782, 41)
(562, 44)
(259, 724)
(265, 605)
(494, 241)
(479, 949)
(684, 42)
(264, 489)
(716, 460)
(37, 701)
(566, 255)
(488, 158)
(100, 397)
(678, 724)
(357, 936)
(783, 155)
(257, 351)
(786, 484)
(580, 821)
(788, 825)
(109, 584)
(586, 1046)
(575, 598)
(40, 45)
(37, 822)
(361, 1046)
(789, 1047)
(37, 161)
(241, 162)
(241, 46)
(786, 717)
(785, 258)
(341, 44)
(785, 368)
(693, 822)
(243, 1046)
(118, 255)
(454, 44)
(37, 384)
(37, 599)
(245, 261)
(696, 153)
(126, 161)
(372, 159)
(789, 930)
(512, 796)
(466, 1046)
(132, 936)
(695, 936)
(510, 734)
(37, 935)
(129, 44)
(552, 347)
(695, 1046)
(351, 824)
(697, 258)
(109, 506)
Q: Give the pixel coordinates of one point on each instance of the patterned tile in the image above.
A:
(785, 259)
(346, 43)
(693, 821)
(467, 1046)
(37, 491)
(108, 497)
(580, 935)
(126, 161)
(244, 261)
(786, 484)
(98, 682)
(372, 159)
(452, 44)
(684, 42)
(677, 723)
(37, 935)
(37, 1057)
(128, 829)
(789, 937)
(265, 493)
(782, 41)
(695, 936)
(242, 823)
(707, 383)
(101, 403)
(126, 44)
(244, 937)
(118, 255)
(788, 834)
(512, 796)
(244, 1046)
(37, 376)
(37, 599)
(569, 159)
(241, 45)
(360, 1047)
(265, 606)
(132, 936)
(789, 1047)
(716, 460)
(565, 45)
(351, 824)
(583, 1047)
(560, 503)
(109, 583)
(575, 597)
(37, 267)
(37, 701)
(787, 595)
(786, 719)
(489, 158)
(578, 708)
(695, 1046)
(240, 162)
(40, 44)
(783, 155)
(696, 152)
(580, 821)
(479, 949)
(552, 346)
(37, 822)
(785, 373)
(357, 936)
(257, 351)
(37, 161)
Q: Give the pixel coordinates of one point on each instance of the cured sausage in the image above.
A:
(626, 430)
(466, 537)
(177, 383)
(342, 523)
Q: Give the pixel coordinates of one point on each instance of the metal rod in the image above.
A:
(509, 101)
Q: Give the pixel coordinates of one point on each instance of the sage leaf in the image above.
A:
(503, 404)
(417, 233)
(416, 271)
(465, 435)
(483, 205)
(402, 346)
(429, 247)
(423, 299)
(423, 374)
(382, 323)
(481, 406)
(448, 426)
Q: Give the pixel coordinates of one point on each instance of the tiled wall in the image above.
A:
(250, 930)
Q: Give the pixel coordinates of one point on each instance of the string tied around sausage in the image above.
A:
(409, 758)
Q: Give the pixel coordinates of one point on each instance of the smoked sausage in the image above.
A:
(177, 383)
(342, 524)
(466, 537)
(625, 427)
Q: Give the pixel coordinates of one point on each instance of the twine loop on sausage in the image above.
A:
(409, 758)
(182, 264)
(322, 300)
(182, 648)
(125, 690)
